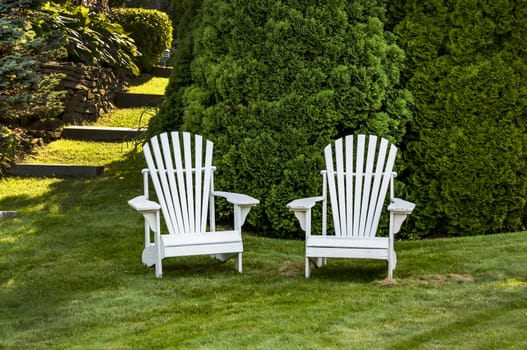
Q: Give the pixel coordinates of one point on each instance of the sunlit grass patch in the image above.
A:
(82, 152)
(154, 85)
(137, 117)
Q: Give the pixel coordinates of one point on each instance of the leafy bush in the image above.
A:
(467, 146)
(151, 31)
(90, 37)
(271, 83)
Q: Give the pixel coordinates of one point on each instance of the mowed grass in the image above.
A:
(136, 117)
(149, 85)
(77, 152)
(71, 277)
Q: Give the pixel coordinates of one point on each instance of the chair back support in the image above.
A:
(182, 175)
(358, 173)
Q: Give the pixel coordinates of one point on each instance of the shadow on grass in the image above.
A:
(77, 236)
(140, 80)
(78, 240)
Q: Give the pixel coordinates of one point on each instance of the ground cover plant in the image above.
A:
(71, 278)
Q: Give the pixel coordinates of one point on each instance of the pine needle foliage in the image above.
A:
(272, 82)
(23, 91)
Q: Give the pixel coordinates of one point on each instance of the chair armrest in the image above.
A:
(304, 204)
(401, 206)
(237, 198)
(143, 205)
(302, 210)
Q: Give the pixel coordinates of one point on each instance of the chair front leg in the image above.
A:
(158, 243)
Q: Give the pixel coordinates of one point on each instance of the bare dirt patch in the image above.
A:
(290, 269)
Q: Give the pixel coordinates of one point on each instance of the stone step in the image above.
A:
(54, 170)
(162, 72)
(127, 100)
(8, 214)
(100, 133)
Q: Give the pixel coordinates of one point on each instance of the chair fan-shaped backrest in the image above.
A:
(359, 171)
(181, 171)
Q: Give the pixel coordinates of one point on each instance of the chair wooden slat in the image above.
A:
(153, 163)
(197, 184)
(386, 178)
(180, 174)
(171, 188)
(366, 190)
(341, 188)
(375, 189)
(187, 149)
(330, 173)
(349, 183)
(206, 185)
(359, 170)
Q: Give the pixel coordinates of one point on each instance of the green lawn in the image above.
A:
(150, 85)
(135, 117)
(71, 278)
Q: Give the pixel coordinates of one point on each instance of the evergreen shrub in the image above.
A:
(151, 31)
(273, 82)
(467, 144)
(24, 92)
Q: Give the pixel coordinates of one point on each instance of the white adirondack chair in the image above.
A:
(182, 174)
(358, 174)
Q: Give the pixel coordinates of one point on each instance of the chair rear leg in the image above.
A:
(239, 262)
(392, 262)
(159, 266)
(159, 269)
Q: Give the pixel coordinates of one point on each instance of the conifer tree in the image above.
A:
(272, 82)
(467, 145)
(23, 91)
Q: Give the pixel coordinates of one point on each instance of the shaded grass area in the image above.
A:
(148, 85)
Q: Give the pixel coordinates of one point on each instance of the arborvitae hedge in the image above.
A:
(467, 146)
(272, 82)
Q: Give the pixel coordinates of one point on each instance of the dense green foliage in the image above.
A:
(24, 92)
(90, 37)
(271, 83)
(151, 31)
(7, 148)
(467, 146)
